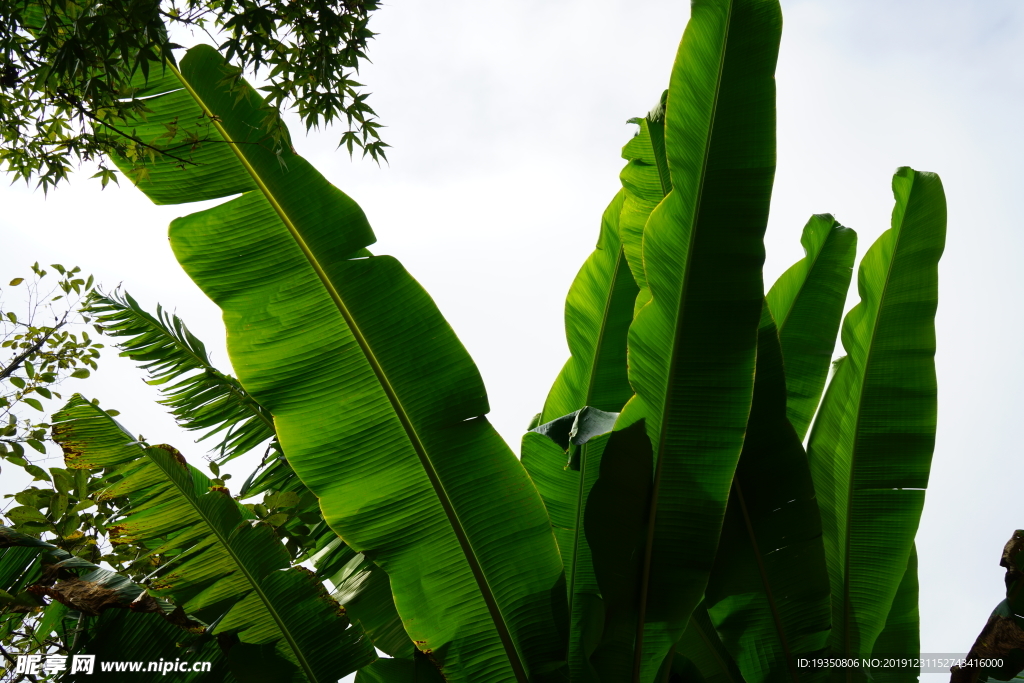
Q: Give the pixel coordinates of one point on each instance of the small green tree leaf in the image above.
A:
(17, 281)
(37, 472)
(63, 480)
(22, 514)
(277, 520)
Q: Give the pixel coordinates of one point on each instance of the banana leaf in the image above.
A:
(19, 555)
(216, 563)
(365, 590)
(376, 403)
(600, 303)
(692, 345)
(768, 594)
(112, 615)
(871, 445)
(598, 311)
(123, 635)
(807, 303)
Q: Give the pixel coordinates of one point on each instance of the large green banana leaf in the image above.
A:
(807, 303)
(600, 303)
(692, 346)
(376, 403)
(768, 594)
(871, 445)
(222, 566)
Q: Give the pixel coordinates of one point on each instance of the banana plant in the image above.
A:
(665, 523)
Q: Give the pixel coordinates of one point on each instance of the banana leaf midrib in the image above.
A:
(856, 426)
(515, 659)
(242, 399)
(229, 549)
(645, 570)
(776, 617)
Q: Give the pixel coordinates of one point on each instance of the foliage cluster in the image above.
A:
(42, 351)
(73, 74)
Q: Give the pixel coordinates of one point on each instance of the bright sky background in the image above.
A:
(507, 118)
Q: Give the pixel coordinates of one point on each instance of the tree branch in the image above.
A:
(22, 357)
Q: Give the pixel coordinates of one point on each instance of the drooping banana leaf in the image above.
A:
(901, 637)
(213, 400)
(871, 445)
(113, 614)
(222, 567)
(692, 346)
(807, 303)
(19, 554)
(768, 594)
(199, 395)
(124, 635)
(376, 404)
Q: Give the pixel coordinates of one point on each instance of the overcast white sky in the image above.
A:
(507, 118)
